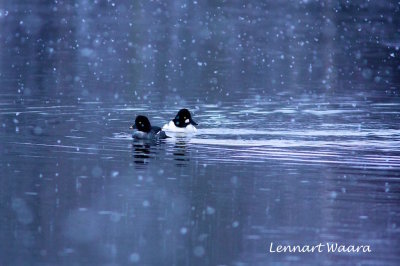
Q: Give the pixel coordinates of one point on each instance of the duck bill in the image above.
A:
(193, 123)
(132, 127)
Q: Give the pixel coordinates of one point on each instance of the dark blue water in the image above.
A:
(298, 140)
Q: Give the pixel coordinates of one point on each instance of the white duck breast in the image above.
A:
(172, 128)
(151, 135)
(141, 135)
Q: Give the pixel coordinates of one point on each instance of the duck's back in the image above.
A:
(172, 128)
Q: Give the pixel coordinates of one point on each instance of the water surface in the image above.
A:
(298, 139)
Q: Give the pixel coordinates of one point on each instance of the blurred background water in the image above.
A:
(298, 142)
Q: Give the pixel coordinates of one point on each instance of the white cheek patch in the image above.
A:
(187, 121)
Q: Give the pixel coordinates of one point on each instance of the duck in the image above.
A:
(144, 130)
(182, 122)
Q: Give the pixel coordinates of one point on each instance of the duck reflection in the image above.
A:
(180, 152)
(142, 152)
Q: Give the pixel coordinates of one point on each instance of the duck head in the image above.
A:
(183, 118)
(142, 123)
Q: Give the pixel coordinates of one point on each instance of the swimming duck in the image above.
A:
(144, 130)
(182, 122)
